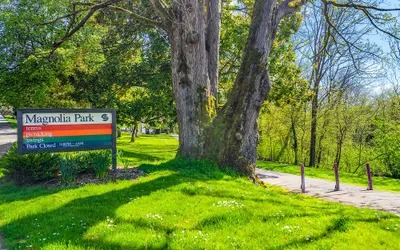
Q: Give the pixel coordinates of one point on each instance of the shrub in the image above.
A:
(82, 161)
(30, 168)
(68, 168)
(101, 162)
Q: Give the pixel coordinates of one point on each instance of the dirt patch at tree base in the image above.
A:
(90, 178)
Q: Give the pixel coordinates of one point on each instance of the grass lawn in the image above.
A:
(183, 204)
(379, 183)
(147, 149)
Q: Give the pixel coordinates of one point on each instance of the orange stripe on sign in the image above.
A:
(36, 128)
(67, 133)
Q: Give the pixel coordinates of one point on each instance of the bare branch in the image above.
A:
(366, 12)
(360, 6)
(365, 9)
(349, 43)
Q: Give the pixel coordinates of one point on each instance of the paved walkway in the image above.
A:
(7, 136)
(348, 194)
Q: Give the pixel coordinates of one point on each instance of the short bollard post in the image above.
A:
(336, 168)
(303, 179)
(369, 176)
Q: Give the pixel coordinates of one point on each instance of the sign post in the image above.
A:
(336, 168)
(303, 179)
(368, 168)
(66, 130)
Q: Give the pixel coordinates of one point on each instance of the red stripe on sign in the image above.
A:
(29, 128)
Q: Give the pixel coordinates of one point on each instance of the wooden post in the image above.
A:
(369, 177)
(336, 168)
(303, 179)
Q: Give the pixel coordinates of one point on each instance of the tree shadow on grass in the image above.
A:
(132, 156)
(9, 192)
(95, 209)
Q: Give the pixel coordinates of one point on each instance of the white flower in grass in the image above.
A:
(230, 204)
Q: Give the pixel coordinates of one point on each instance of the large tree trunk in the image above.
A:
(233, 136)
(193, 28)
(193, 90)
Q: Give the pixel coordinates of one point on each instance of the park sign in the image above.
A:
(66, 130)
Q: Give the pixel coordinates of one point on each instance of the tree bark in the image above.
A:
(193, 92)
(233, 136)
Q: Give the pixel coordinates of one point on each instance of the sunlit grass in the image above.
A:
(183, 204)
(379, 183)
(147, 148)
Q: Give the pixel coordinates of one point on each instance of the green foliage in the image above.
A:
(101, 163)
(288, 85)
(29, 168)
(68, 168)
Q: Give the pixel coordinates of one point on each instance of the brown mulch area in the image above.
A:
(90, 178)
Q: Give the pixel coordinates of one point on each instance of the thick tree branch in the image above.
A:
(288, 7)
(72, 14)
(138, 17)
(74, 30)
(162, 11)
(92, 9)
